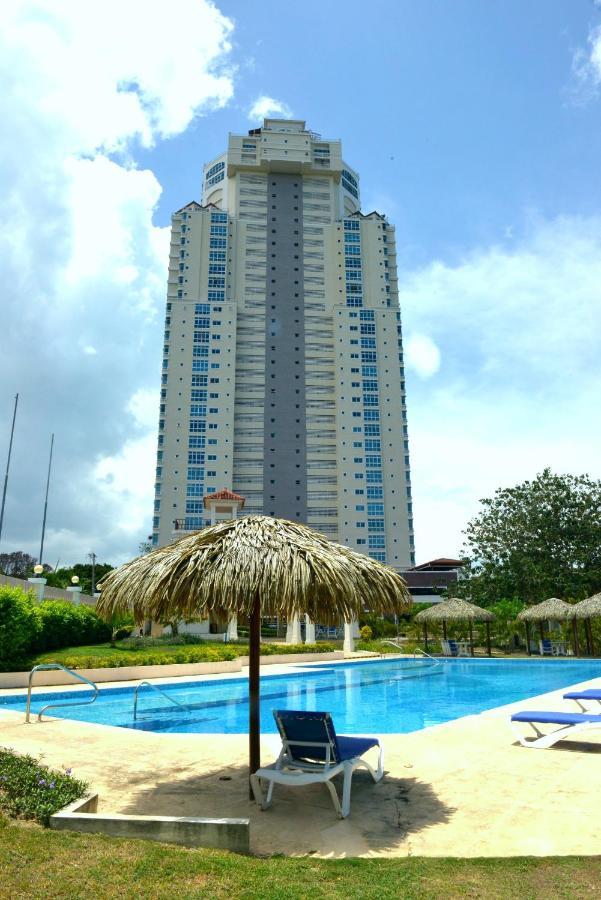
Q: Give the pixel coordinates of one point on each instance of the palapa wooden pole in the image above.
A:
(425, 637)
(471, 637)
(542, 633)
(527, 623)
(444, 629)
(589, 637)
(575, 633)
(254, 718)
(488, 650)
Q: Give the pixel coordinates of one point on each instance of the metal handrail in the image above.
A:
(436, 662)
(159, 691)
(417, 650)
(47, 667)
(393, 644)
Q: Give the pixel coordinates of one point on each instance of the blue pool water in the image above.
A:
(381, 696)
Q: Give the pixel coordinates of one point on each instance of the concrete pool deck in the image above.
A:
(464, 788)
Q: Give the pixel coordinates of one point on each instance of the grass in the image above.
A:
(100, 656)
(48, 864)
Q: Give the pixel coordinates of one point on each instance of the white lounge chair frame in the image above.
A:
(543, 741)
(291, 773)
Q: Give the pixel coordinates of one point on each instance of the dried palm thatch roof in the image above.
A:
(224, 569)
(587, 609)
(454, 610)
(548, 609)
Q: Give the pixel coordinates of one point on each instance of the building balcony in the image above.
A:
(189, 524)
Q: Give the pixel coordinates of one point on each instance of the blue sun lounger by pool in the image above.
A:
(313, 753)
(570, 723)
(588, 694)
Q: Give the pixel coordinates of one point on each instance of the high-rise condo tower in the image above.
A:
(283, 374)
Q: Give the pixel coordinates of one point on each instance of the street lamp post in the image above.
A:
(92, 557)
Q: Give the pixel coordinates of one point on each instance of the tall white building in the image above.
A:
(283, 374)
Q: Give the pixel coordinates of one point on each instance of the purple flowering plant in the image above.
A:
(31, 790)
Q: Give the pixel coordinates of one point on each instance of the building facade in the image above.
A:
(283, 376)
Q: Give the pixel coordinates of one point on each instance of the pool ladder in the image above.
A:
(159, 691)
(45, 668)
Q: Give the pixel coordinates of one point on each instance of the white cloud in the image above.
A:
(143, 407)
(123, 482)
(83, 266)
(265, 107)
(422, 355)
(586, 68)
(519, 332)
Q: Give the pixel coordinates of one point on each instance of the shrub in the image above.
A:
(380, 627)
(120, 634)
(64, 625)
(19, 627)
(366, 633)
(207, 653)
(275, 649)
(29, 790)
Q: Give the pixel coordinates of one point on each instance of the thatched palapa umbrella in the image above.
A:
(587, 609)
(455, 610)
(252, 567)
(551, 609)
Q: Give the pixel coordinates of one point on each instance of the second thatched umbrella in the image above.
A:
(456, 610)
(552, 609)
(587, 609)
(252, 567)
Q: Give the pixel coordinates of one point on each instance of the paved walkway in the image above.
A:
(459, 789)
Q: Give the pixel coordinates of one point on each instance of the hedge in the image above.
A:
(275, 649)
(27, 627)
(149, 658)
(19, 626)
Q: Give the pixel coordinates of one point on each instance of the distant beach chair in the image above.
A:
(545, 647)
(327, 632)
(450, 648)
(312, 753)
(570, 723)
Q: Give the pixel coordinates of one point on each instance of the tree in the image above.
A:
(62, 577)
(17, 564)
(537, 540)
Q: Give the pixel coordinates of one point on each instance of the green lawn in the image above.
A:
(37, 863)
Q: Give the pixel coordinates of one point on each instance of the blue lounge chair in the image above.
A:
(545, 647)
(588, 694)
(313, 753)
(450, 648)
(570, 722)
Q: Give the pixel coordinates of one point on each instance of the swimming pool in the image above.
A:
(380, 696)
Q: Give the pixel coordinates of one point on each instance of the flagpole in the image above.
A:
(10, 447)
(40, 560)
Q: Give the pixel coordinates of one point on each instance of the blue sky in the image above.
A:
(461, 113)
(475, 126)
